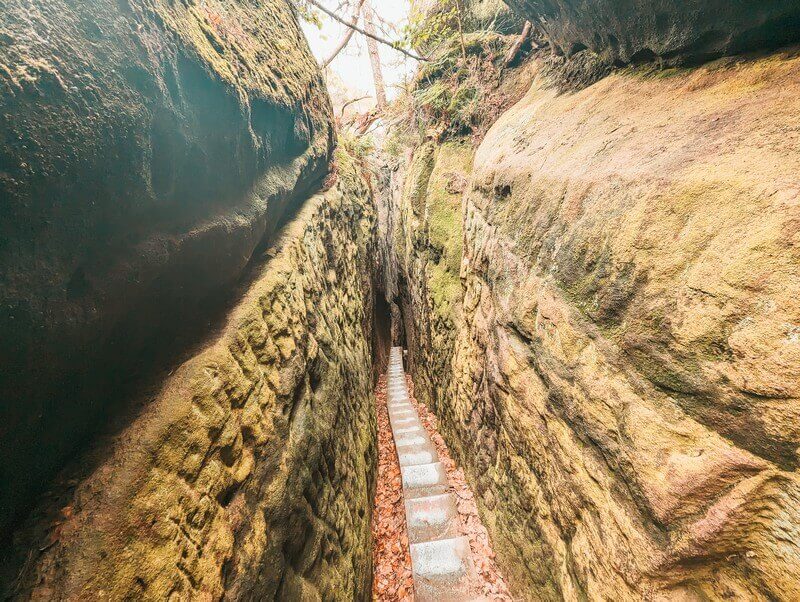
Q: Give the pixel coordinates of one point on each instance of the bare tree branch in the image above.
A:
(517, 46)
(346, 38)
(349, 102)
(390, 44)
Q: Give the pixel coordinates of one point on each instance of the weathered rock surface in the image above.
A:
(623, 384)
(251, 473)
(147, 147)
(424, 246)
(675, 31)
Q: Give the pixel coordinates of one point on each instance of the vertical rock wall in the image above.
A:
(620, 380)
(250, 475)
(147, 147)
(424, 243)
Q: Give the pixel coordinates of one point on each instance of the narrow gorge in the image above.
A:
(581, 220)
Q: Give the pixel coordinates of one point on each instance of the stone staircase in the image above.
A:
(441, 560)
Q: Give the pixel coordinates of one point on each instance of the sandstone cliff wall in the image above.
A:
(251, 473)
(147, 147)
(424, 241)
(672, 31)
(623, 384)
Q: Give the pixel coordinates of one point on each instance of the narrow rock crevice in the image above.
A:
(257, 452)
(615, 376)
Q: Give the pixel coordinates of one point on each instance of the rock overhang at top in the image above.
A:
(672, 31)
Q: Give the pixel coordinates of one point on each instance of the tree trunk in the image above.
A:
(374, 57)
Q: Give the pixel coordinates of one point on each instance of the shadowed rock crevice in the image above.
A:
(149, 151)
(614, 363)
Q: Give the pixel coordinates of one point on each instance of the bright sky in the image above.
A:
(352, 64)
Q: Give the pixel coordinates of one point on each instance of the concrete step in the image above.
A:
(404, 422)
(417, 454)
(403, 413)
(440, 557)
(418, 439)
(397, 416)
(412, 428)
(432, 518)
(442, 570)
(423, 480)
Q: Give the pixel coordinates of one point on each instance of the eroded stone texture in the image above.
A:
(146, 148)
(624, 385)
(423, 241)
(675, 31)
(251, 473)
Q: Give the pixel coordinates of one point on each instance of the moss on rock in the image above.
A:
(147, 147)
(617, 369)
(251, 473)
(624, 374)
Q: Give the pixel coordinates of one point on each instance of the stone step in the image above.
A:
(403, 422)
(401, 418)
(442, 569)
(423, 480)
(432, 518)
(440, 557)
(415, 453)
(416, 456)
(403, 413)
(411, 429)
(418, 439)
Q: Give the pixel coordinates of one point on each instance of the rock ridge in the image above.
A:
(615, 362)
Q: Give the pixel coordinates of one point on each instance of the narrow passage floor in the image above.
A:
(429, 541)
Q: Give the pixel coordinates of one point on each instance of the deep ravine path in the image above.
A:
(448, 548)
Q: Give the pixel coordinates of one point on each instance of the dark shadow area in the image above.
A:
(153, 240)
(382, 334)
(73, 430)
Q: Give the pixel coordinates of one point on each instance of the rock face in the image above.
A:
(251, 473)
(675, 31)
(622, 387)
(147, 147)
(425, 246)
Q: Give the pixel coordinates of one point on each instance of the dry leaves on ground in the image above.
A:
(492, 583)
(392, 564)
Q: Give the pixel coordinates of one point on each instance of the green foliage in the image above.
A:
(359, 147)
(355, 159)
(308, 13)
(453, 90)
(427, 31)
